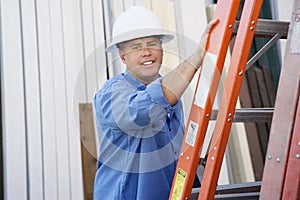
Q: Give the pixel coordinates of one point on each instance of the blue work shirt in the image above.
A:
(140, 136)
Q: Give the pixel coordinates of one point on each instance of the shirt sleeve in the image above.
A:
(156, 94)
(123, 106)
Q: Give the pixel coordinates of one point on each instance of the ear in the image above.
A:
(122, 56)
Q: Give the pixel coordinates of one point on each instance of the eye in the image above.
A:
(154, 44)
(136, 47)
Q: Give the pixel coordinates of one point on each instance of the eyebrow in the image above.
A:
(136, 44)
(151, 40)
(148, 42)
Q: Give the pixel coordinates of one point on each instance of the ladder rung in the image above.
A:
(234, 191)
(248, 115)
(268, 28)
(238, 196)
(239, 188)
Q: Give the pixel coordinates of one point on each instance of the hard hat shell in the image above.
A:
(137, 22)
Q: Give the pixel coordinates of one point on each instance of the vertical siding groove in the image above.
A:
(94, 41)
(66, 98)
(54, 101)
(40, 99)
(105, 38)
(24, 103)
(83, 51)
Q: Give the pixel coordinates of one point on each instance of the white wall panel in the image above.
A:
(47, 100)
(75, 89)
(99, 43)
(33, 104)
(89, 62)
(99, 53)
(166, 12)
(14, 133)
(115, 8)
(45, 46)
(107, 29)
(61, 134)
(284, 13)
(127, 4)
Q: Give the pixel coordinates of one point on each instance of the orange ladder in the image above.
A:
(226, 11)
(229, 97)
(201, 110)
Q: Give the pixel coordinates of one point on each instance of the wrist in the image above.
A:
(196, 58)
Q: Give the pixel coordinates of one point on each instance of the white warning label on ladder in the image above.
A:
(208, 68)
(192, 133)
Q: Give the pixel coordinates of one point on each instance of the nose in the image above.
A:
(146, 51)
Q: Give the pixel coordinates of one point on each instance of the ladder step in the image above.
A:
(268, 28)
(250, 115)
(239, 188)
(248, 190)
(238, 196)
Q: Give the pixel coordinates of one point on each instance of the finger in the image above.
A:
(210, 25)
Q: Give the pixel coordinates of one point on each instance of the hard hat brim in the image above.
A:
(165, 37)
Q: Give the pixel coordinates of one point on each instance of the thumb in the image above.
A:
(205, 35)
(210, 25)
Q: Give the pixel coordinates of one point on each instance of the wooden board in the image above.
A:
(257, 157)
(257, 103)
(88, 148)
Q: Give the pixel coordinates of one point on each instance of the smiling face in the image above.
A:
(142, 57)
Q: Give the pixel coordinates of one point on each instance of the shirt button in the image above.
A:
(141, 88)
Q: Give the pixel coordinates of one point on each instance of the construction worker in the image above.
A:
(139, 113)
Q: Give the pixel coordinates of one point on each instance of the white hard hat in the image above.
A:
(137, 22)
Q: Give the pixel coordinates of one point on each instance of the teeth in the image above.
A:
(148, 63)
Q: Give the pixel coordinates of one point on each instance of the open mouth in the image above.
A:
(148, 63)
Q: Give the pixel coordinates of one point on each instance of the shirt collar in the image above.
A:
(133, 80)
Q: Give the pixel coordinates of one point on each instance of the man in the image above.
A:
(139, 113)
